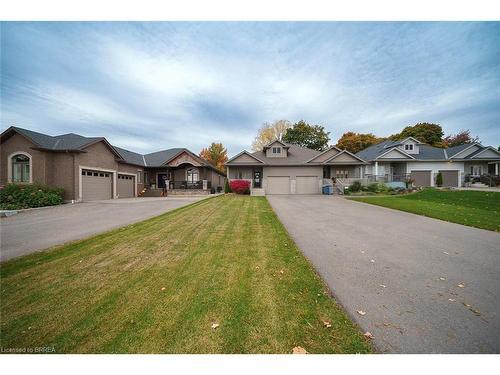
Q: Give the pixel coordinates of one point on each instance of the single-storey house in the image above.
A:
(282, 168)
(90, 168)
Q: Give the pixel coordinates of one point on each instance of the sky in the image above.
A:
(148, 86)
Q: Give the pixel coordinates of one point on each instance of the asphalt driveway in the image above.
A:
(40, 229)
(425, 285)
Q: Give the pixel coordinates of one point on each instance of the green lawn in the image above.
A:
(159, 285)
(479, 209)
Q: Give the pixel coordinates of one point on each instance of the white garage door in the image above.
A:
(125, 186)
(307, 185)
(278, 185)
(96, 185)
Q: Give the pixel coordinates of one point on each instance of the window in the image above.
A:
(476, 170)
(139, 177)
(20, 168)
(276, 150)
(409, 147)
(146, 178)
(192, 175)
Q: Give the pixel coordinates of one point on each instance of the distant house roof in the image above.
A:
(77, 143)
(426, 152)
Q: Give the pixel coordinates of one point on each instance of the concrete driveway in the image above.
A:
(40, 229)
(426, 286)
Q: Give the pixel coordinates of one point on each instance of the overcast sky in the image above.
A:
(151, 86)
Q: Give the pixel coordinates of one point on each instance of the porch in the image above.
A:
(185, 179)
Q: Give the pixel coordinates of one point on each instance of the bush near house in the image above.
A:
(355, 186)
(377, 187)
(19, 196)
(439, 179)
(227, 189)
(240, 186)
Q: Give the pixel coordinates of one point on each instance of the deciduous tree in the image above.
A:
(355, 142)
(311, 136)
(270, 132)
(461, 138)
(215, 154)
(429, 133)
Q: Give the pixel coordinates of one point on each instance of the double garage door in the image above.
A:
(424, 178)
(303, 185)
(97, 185)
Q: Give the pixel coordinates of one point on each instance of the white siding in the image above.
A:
(435, 167)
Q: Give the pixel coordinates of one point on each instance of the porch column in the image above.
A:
(376, 170)
(496, 169)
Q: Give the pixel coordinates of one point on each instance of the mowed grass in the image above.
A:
(480, 209)
(225, 260)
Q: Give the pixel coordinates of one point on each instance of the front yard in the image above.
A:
(473, 208)
(161, 285)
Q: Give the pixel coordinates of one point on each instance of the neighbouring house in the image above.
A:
(398, 160)
(282, 168)
(90, 168)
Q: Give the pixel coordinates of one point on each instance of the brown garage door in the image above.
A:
(278, 185)
(125, 186)
(450, 178)
(421, 178)
(96, 185)
(307, 185)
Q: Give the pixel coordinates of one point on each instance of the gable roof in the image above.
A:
(77, 143)
(343, 152)
(426, 152)
(296, 155)
(59, 143)
(401, 141)
(395, 149)
(244, 152)
(273, 142)
(477, 153)
(332, 147)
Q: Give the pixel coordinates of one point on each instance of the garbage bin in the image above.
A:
(327, 189)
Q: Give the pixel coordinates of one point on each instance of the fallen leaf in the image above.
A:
(461, 285)
(465, 304)
(445, 252)
(299, 350)
(442, 278)
(361, 312)
(257, 267)
(383, 286)
(451, 299)
(163, 288)
(362, 252)
(372, 260)
(386, 324)
(282, 272)
(327, 324)
(368, 334)
(215, 325)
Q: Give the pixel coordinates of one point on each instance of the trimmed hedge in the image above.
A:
(19, 196)
(240, 186)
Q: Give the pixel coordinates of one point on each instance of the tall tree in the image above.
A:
(429, 133)
(215, 154)
(461, 138)
(355, 142)
(311, 136)
(270, 132)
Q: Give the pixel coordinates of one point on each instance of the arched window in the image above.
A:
(20, 165)
(192, 175)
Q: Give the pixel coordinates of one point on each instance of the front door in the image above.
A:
(162, 177)
(257, 179)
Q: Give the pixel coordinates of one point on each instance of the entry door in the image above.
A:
(257, 179)
(161, 180)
